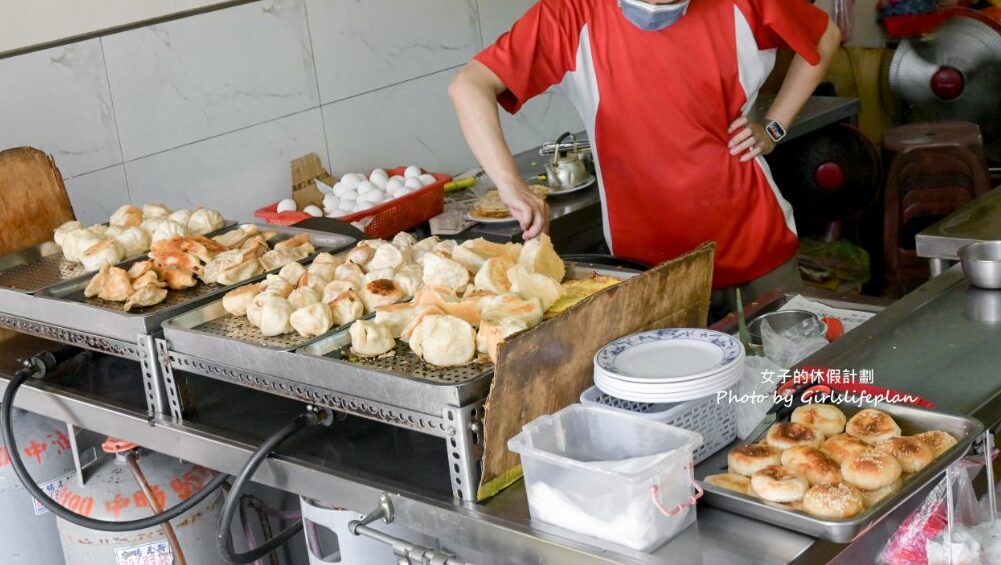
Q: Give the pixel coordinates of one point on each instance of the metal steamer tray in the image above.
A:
(63, 305)
(911, 421)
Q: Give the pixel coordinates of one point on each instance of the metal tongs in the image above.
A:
(794, 393)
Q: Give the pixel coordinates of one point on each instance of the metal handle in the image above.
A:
(406, 551)
(550, 148)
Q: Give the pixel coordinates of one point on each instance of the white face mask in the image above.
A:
(652, 17)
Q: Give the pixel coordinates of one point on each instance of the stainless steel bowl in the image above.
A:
(785, 320)
(983, 306)
(982, 263)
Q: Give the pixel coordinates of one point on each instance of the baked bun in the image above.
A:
(235, 301)
(444, 341)
(749, 459)
(788, 434)
(843, 446)
(871, 470)
(938, 441)
(812, 464)
(730, 481)
(912, 453)
(872, 426)
(834, 502)
(825, 418)
(778, 484)
(872, 497)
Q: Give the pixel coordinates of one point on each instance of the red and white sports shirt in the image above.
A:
(657, 106)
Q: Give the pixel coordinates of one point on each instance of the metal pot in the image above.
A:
(566, 170)
(982, 263)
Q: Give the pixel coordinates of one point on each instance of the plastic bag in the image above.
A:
(754, 393)
(844, 16)
(910, 543)
(788, 348)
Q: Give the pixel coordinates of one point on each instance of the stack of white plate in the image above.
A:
(669, 365)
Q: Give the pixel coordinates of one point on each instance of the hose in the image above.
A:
(37, 367)
(147, 491)
(224, 539)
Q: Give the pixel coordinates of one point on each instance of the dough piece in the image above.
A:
(255, 306)
(410, 279)
(235, 301)
(825, 418)
(76, 242)
(204, 220)
(787, 434)
(386, 256)
(444, 341)
(146, 296)
(346, 307)
(325, 270)
(445, 247)
(101, 229)
(938, 441)
(376, 274)
(468, 259)
(273, 284)
(512, 306)
(312, 320)
(180, 216)
(778, 484)
(538, 256)
(59, 234)
(275, 315)
(333, 289)
(833, 501)
(749, 459)
(912, 453)
(134, 241)
(300, 241)
(421, 311)
(871, 470)
(155, 210)
(96, 282)
(115, 285)
(395, 317)
(176, 279)
(843, 446)
(361, 255)
(348, 271)
(167, 229)
(490, 249)
(812, 464)
(148, 278)
(105, 252)
(314, 281)
(140, 268)
(404, 240)
(425, 245)
(442, 271)
(236, 237)
(439, 295)
(127, 216)
(277, 258)
(730, 481)
(325, 257)
(533, 285)
(292, 272)
(369, 339)
(492, 277)
(872, 426)
(302, 297)
(381, 293)
(493, 332)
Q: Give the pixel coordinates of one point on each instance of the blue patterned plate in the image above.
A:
(669, 355)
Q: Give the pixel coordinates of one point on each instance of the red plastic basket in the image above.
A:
(386, 219)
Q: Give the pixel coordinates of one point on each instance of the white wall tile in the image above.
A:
(96, 195)
(58, 101)
(362, 46)
(497, 16)
(235, 173)
(408, 123)
(194, 78)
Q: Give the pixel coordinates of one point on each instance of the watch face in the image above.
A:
(775, 131)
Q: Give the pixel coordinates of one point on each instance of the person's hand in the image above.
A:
(749, 140)
(531, 211)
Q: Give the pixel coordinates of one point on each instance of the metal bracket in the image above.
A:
(173, 396)
(156, 398)
(72, 337)
(464, 427)
(406, 552)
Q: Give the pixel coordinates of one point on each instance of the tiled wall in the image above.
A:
(209, 110)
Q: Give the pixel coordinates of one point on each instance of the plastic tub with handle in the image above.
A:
(608, 474)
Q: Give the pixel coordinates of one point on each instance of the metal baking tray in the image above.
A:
(65, 305)
(911, 421)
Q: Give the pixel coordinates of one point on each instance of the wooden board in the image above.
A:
(33, 200)
(547, 368)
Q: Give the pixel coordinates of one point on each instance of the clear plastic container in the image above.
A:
(609, 474)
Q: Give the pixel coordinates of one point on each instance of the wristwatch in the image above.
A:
(775, 131)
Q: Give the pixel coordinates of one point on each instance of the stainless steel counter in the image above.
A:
(977, 221)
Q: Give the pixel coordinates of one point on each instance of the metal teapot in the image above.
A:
(566, 170)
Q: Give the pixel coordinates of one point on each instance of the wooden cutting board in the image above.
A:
(546, 368)
(33, 200)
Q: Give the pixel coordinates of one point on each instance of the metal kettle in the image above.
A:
(566, 170)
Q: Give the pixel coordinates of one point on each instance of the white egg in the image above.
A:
(332, 202)
(413, 183)
(401, 191)
(365, 186)
(351, 194)
(286, 205)
(335, 213)
(313, 211)
(412, 171)
(378, 173)
(347, 203)
(350, 181)
(393, 184)
(397, 177)
(338, 189)
(372, 197)
(427, 179)
(362, 206)
(380, 182)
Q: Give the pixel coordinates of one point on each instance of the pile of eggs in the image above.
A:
(355, 192)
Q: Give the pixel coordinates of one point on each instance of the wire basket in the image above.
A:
(716, 421)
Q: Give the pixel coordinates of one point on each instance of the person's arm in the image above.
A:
(474, 94)
(750, 139)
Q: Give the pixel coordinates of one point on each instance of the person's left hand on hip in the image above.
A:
(749, 139)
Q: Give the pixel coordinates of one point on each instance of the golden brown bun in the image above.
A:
(812, 464)
(938, 441)
(872, 426)
(833, 502)
(778, 484)
(843, 446)
(872, 497)
(912, 453)
(826, 419)
(730, 481)
(787, 434)
(749, 459)
(871, 470)
(794, 505)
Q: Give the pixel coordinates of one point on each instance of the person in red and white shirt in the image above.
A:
(664, 88)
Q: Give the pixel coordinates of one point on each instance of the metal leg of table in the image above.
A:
(156, 397)
(937, 266)
(168, 384)
(464, 427)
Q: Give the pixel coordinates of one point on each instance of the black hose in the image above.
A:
(6, 409)
(224, 541)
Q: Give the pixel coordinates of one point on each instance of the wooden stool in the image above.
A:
(932, 170)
